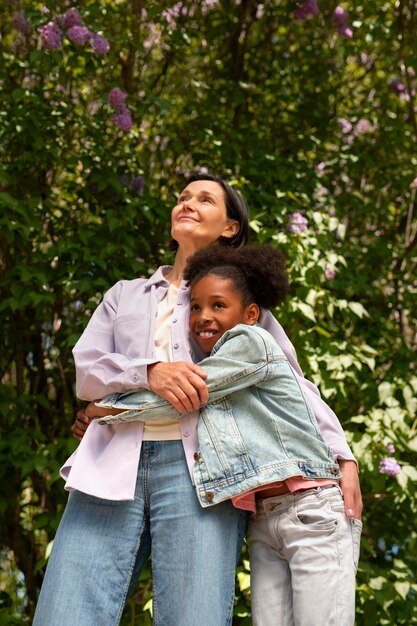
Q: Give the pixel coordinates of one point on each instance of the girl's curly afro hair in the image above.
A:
(257, 272)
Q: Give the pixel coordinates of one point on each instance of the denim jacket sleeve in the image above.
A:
(328, 422)
(241, 359)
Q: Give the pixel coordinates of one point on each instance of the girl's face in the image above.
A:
(215, 307)
(200, 216)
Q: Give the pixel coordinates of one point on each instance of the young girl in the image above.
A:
(259, 444)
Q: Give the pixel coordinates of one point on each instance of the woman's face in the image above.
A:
(200, 216)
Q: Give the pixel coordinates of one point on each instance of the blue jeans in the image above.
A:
(101, 547)
(304, 553)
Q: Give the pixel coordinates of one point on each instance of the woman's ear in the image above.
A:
(232, 228)
(252, 314)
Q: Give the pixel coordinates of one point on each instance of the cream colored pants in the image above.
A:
(304, 554)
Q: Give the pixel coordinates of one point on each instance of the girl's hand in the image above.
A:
(80, 425)
(84, 417)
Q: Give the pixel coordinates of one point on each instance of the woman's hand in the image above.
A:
(84, 417)
(350, 486)
(182, 384)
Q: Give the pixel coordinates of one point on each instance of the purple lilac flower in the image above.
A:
(123, 180)
(20, 22)
(171, 14)
(340, 20)
(123, 120)
(51, 36)
(138, 184)
(414, 184)
(329, 273)
(116, 99)
(346, 31)
(297, 223)
(71, 18)
(391, 448)
(79, 35)
(340, 17)
(345, 125)
(366, 60)
(45, 10)
(309, 7)
(389, 466)
(363, 126)
(100, 45)
(397, 86)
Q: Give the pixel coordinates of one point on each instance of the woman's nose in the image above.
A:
(187, 205)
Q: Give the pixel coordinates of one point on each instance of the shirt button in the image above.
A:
(179, 303)
(173, 321)
(135, 378)
(176, 346)
(197, 456)
(186, 434)
(209, 496)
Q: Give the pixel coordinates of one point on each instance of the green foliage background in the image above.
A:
(301, 120)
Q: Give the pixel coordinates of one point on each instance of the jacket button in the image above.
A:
(197, 456)
(209, 496)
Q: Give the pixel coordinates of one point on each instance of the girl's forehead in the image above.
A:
(212, 281)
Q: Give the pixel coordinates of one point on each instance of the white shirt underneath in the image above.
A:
(162, 430)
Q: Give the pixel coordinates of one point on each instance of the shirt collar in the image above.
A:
(158, 278)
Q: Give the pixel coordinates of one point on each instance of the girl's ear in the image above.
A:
(252, 314)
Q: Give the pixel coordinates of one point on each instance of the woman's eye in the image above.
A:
(206, 199)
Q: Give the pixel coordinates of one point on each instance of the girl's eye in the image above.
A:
(219, 305)
(195, 307)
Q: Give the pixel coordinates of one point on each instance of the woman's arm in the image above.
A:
(100, 369)
(242, 360)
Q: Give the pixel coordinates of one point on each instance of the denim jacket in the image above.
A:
(257, 427)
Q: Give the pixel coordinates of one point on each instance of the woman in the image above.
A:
(134, 492)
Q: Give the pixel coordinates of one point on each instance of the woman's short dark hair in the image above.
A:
(236, 209)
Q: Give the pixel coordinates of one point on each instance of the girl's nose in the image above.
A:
(204, 317)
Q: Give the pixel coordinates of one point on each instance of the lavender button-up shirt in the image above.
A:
(112, 356)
